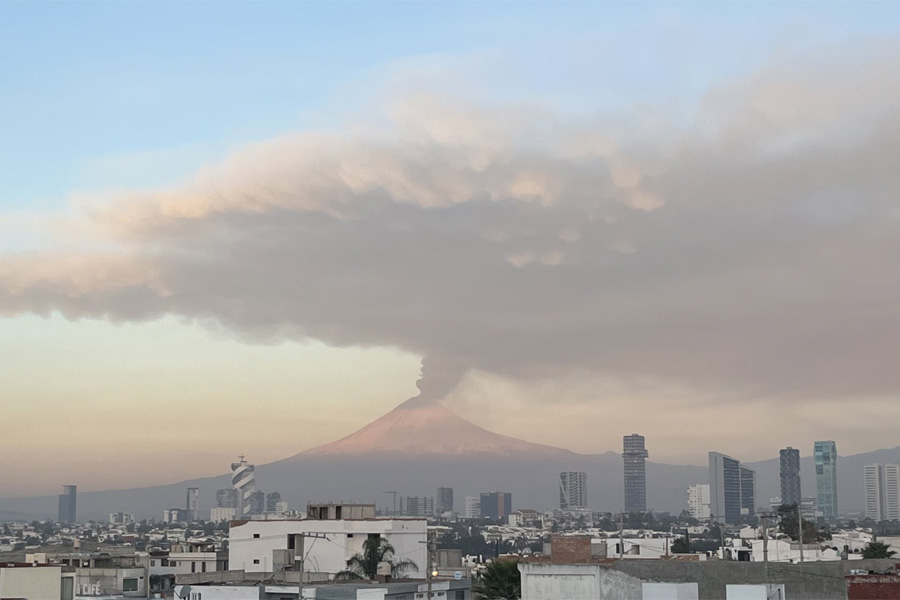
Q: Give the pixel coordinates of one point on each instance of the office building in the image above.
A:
(748, 491)
(192, 503)
(496, 505)
(226, 498)
(472, 507)
(417, 506)
(789, 460)
(892, 492)
(257, 503)
(881, 488)
(244, 485)
(272, 500)
(634, 455)
(67, 504)
(725, 498)
(572, 489)
(444, 500)
(120, 518)
(825, 456)
(221, 513)
(874, 485)
(698, 501)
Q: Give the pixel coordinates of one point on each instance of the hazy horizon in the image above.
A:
(252, 228)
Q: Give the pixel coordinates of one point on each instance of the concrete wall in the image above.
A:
(547, 581)
(809, 581)
(33, 583)
(217, 592)
(670, 591)
(109, 582)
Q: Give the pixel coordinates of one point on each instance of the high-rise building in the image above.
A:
(257, 502)
(472, 507)
(825, 455)
(882, 486)
(226, 498)
(272, 500)
(244, 485)
(192, 503)
(698, 501)
(789, 460)
(892, 492)
(634, 455)
(496, 505)
(572, 489)
(748, 491)
(725, 498)
(221, 513)
(120, 518)
(874, 482)
(444, 500)
(67, 504)
(417, 506)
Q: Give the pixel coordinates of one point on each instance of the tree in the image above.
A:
(364, 565)
(788, 526)
(681, 546)
(877, 550)
(501, 581)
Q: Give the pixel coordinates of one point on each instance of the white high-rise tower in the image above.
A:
(244, 486)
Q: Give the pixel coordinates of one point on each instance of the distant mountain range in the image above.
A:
(418, 447)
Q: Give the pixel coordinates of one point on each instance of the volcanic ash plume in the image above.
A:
(439, 376)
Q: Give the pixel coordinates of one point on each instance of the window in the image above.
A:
(130, 584)
(164, 562)
(460, 595)
(255, 536)
(193, 567)
(152, 563)
(255, 561)
(349, 535)
(203, 567)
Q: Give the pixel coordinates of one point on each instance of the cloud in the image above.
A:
(747, 252)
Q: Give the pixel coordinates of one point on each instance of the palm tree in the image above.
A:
(364, 565)
(501, 581)
(877, 550)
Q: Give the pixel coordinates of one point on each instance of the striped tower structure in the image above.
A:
(243, 484)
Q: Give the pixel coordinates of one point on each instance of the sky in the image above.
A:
(253, 227)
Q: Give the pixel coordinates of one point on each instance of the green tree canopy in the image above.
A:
(364, 565)
(877, 550)
(501, 581)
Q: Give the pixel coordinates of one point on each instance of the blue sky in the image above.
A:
(112, 94)
(105, 98)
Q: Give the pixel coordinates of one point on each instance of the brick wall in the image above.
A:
(570, 549)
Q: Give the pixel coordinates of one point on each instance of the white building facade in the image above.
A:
(325, 545)
(472, 507)
(698, 501)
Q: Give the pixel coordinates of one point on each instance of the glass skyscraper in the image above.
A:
(635, 457)
(825, 454)
(725, 496)
(789, 460)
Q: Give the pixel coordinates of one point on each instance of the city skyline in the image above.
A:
(563, 222)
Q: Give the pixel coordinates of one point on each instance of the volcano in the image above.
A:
(420, 446)
(414, 429)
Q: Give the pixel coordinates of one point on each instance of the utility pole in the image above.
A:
(300, 550)
(765, 533)
(429, 571)
(800, 529)
(621, 534)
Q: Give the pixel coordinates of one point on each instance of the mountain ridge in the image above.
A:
(419, 446)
